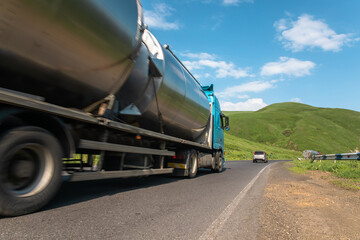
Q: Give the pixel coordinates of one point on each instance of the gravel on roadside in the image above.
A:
(308, 206)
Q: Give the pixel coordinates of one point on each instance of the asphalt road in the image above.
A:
(210, 206)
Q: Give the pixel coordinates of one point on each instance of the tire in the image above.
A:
(30, 170)
(192, 163)
(219, 162)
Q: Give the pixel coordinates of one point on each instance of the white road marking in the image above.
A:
(217, 225)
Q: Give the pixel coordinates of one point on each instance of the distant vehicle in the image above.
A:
(260, 155)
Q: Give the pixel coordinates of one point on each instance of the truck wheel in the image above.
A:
(193, 163)
(219, 161)
(30, 170)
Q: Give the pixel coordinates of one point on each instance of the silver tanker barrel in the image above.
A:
(70, 52)
(161, 95)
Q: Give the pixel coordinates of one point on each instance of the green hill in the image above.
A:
(297, 127)
(242, 149)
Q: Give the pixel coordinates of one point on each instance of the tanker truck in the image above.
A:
(87, 79)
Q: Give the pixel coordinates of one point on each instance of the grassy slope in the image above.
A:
(242, 149)
(286, 129)
(293, 126)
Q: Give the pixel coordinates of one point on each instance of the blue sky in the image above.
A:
(260, 52)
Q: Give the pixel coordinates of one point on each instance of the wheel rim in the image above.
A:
(29, 170)
(220, 162)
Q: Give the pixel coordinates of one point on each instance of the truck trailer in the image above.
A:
(87, 79)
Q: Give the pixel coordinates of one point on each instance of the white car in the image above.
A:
(260, 155)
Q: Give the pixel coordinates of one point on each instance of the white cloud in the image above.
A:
(222, 69)
(199, 55)
(253, 104)
(307, 32)
(235, 91)
(231, 2)
(298, 100)
(275, 80)
(243, 96)
(235, 2)
(157, 18)
(202, 75)
(217, 21)
(288, 66)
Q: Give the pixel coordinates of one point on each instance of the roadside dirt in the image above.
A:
(308, 206)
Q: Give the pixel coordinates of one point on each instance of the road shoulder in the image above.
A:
(307, 206)
(244, 220)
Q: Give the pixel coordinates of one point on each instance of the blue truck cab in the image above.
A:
(220, 122)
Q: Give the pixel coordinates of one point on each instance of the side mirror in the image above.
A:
(227, 124)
